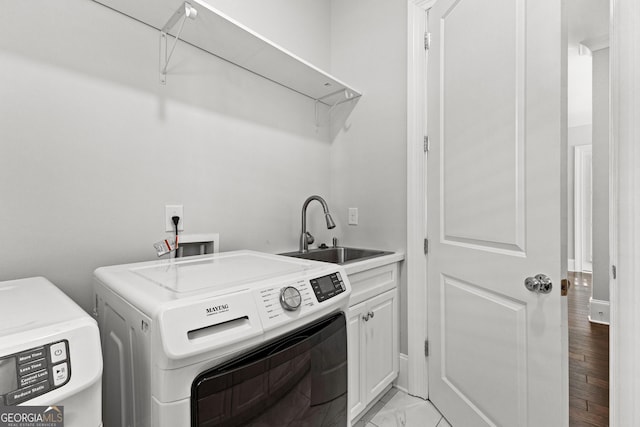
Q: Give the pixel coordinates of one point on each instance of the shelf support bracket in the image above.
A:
(184, 11)
(348, 96)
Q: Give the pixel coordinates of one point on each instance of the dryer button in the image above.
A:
(27, 393)
(60, 374)
(33, 354)
(58, 352)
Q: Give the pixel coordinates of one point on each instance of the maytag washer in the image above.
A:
(49, 353)
(236, 338)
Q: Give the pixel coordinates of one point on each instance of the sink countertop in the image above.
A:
(361, 287)
(367, 264)
(372, 282)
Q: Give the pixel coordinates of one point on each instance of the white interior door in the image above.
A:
(496, 199)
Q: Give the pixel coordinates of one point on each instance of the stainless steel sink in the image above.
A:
(338, 255)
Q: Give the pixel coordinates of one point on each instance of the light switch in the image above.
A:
(353, 216)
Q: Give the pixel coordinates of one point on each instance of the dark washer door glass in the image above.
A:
(298, 380)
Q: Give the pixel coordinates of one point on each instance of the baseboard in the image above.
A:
(599, 311)
(402, 382)
(586, 266)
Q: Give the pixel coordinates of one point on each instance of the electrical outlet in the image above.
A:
(169, 212)
(353, 216)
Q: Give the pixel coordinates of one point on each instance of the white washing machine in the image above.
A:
(49, 352)
(229, 339)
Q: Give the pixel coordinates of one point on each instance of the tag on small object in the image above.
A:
(165, 246)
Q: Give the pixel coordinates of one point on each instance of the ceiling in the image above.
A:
(587, 19)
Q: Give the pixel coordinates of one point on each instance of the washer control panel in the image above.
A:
(33, 372)
(328, 286)
(282, 302)
(277, 300)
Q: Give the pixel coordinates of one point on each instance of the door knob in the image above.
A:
(541, 284)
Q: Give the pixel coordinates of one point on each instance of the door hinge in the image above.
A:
(426, 348)
(426, 246)
(427, 145)
(614, 271)
(427, 41)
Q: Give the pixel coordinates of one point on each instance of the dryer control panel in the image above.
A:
(33, 372)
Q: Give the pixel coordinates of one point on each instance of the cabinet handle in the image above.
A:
(368, 316)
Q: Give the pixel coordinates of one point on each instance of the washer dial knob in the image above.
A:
(290, 298)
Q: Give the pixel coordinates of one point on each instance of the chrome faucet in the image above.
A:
(305, 237)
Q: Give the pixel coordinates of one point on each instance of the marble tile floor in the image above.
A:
(397, 409)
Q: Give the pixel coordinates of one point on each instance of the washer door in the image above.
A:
(299, 379)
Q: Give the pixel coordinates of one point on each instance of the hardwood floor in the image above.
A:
(588, 359)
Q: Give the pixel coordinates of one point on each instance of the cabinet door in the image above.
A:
(381, 351)
(356, 339)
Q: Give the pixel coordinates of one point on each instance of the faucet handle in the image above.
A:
(310, 238)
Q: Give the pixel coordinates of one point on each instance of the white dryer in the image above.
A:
(49, 352)
(229, 339)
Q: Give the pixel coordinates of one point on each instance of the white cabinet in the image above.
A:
(356, 351)
(373, 337)
(381, 354)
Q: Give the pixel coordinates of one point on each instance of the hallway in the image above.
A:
(588, 359)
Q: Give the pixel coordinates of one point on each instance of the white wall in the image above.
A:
(601, 263)
(92, 147)
(596, 134)
(579, 118)
(579, 75)
(368, 155)
(578, 135)
(300, 26)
